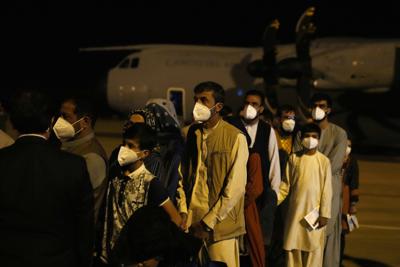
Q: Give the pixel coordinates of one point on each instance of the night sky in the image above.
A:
(40, 40)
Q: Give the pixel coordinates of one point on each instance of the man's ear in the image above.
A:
(218, 107)
(328, 110)
(145, 154)
(87, 120)
(261, 110)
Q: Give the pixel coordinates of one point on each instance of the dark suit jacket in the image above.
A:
(46, 206)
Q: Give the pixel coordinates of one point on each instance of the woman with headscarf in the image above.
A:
(170, 140)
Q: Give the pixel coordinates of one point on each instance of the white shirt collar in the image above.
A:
(136, 172)
(36, 135)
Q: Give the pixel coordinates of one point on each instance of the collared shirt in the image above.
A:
(273, 154)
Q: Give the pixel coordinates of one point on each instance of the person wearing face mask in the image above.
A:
(133, 188)
(350, 193)
(308, 180)
(211, 189)
(46, 211)
(333, 143)
(153, 162)
(74, 128)
(285, 130)
(262, 140)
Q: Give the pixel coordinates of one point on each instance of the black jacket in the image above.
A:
(46, 206)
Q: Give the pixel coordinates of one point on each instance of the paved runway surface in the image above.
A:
(377, 242)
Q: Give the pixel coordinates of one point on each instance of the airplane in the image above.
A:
(172, 71)
(356, 72)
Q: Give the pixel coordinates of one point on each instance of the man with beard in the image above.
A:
(211, 189)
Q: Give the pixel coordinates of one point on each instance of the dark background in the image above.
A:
(40, 40)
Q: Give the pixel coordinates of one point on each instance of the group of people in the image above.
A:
(225, 191)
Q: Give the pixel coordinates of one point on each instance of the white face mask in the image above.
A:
(250, 112)
(348, 150)
(65, 130)
(201, 113)
(310, 142)
(288, 125)
(318, 114)
(127, 156)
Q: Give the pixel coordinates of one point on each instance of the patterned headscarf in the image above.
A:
(157, 117)
(167, 105)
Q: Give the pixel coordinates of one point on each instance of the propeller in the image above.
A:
(298, 67)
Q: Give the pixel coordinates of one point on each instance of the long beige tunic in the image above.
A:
(226, 251)
(309, 180)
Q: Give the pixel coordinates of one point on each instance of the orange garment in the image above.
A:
(346, 206)
(285, 143)
(254, 189)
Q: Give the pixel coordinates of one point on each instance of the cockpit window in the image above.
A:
(124, 64)
(134, 63)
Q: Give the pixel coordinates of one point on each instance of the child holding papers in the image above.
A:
(308, 184)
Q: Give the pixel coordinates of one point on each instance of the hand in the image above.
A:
(353, 209)
(322, 221)
(198, 230)
(184, 217)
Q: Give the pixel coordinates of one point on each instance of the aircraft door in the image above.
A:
(177, 97)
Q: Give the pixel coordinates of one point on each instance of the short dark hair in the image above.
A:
(257, 93)
(310, 128)
(320, 97)
(146, 136)
(225, 111)
(83, 107)
(217, 89)
(284, 108)
(31, 112)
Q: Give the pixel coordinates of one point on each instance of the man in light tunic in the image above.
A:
(212, 186)
(308, 179)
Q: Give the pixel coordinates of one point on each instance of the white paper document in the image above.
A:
(352, 222)
(312, 218)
